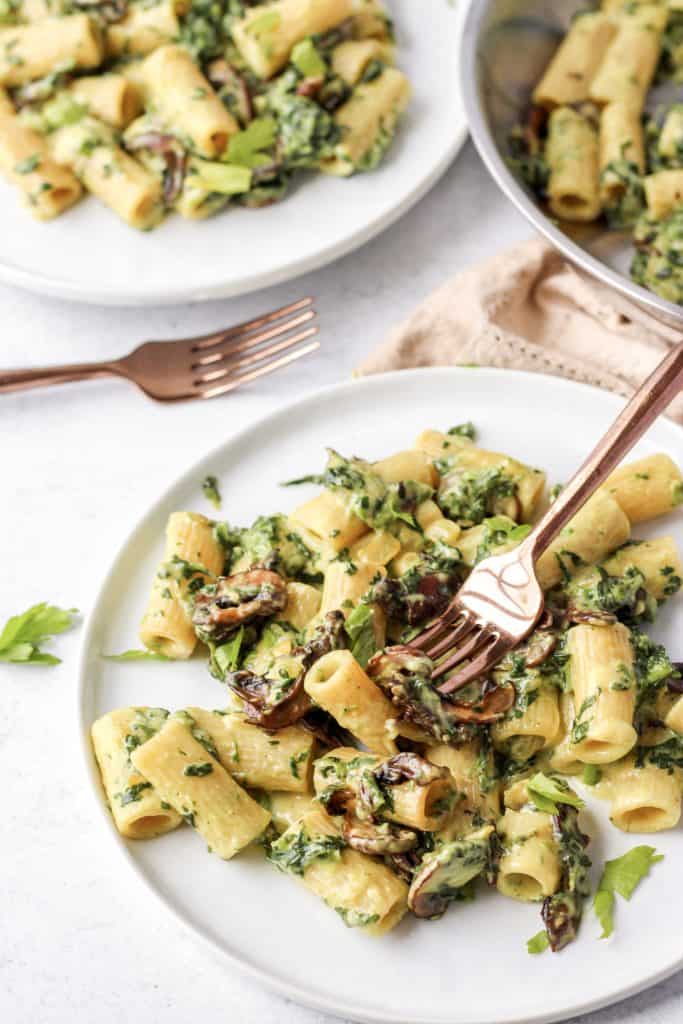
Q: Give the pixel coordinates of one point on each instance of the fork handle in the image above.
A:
(660, 388)
(23, 380)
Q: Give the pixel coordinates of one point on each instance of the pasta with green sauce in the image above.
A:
(593, 146)
(189, 106)
(331, 746)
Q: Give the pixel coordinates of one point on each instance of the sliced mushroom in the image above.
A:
(405, 676)
(443, 873)
(590, 617)
(267, 702)
(416, 604)
(495, 701)
(408, 766)
(222, 607)
(224, 75)
(329, 636)
(376, 840)
(174, 156)
(540, 647)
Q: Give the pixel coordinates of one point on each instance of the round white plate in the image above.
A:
(91, 256)
(472, 966)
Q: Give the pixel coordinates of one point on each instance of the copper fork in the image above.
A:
(201, 367)
(501, 601)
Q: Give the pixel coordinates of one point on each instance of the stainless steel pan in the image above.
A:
(506, 45)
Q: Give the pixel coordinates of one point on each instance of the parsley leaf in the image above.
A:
(137, 655)
(622, 876)
(21, 638)
(211, 492)
(226, 657)
(538, 943)
(361, 633)
(546, 793)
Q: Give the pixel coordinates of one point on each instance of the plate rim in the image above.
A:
(53, 286)
(272, 982)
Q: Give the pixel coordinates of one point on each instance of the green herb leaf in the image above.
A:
(307, 60)
(226, 657)
(22, 635)
(361, 633)
(622, 875)
(211, 492)
(538, 943)
(137, 655)
(464, 430)
(603, 905)
(546, 793)
(246, 147)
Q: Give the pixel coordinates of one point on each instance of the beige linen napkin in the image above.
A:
(528, 309)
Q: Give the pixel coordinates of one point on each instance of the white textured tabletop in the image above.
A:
(80, 940)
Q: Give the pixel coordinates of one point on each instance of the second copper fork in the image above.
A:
(201, 367)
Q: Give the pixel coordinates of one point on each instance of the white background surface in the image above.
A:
(80, 941)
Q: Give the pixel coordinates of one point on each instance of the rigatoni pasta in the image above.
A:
(595, 145)
(220, 107)
(338, 754)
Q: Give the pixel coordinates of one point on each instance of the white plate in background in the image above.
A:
(471, 967)
(89, 255)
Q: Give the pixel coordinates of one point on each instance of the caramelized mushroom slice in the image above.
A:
(495, 701)
(591, 617)
(409, 766)
(405, 677)
(329, 636)
(540, 647)
(377, 840)
(222, 607)
(444, 872)
(174, 156)
(225, 77)
(267, 702)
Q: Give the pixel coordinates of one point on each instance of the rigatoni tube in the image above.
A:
(137, 809)
(197, 786)
(47, 188)
(568, 77)
(572, 156)
(339, 685)
(603, 682)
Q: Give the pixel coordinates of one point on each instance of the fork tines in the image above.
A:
(222, 361)
(457, 636)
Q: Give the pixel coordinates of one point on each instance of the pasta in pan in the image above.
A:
(337, 752)
(596, 142)
(203, 104)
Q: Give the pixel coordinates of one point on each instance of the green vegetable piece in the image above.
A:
(137, 655)
(622, 875)
(538, 943)
(226, 657)
(22, 635)
(360, 629)
(245, 148)
(226, 179)
(307, 60)
(211, 492)
(547, 792)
